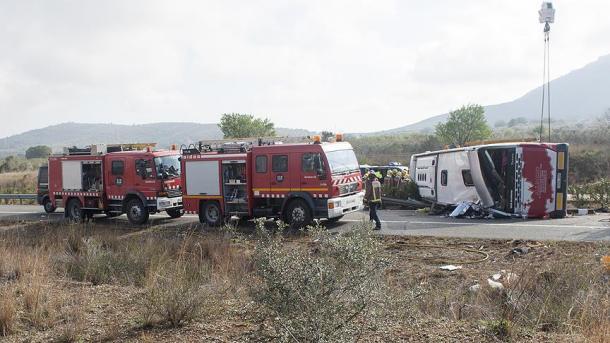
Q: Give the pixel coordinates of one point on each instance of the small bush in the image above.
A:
(320, 293)
(500, 328)
(73, 316)
(178, 291)
(107, 261)
(38, 308)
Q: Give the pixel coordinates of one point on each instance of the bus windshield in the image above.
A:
(168, 167)
(342, 161)
(498, 168)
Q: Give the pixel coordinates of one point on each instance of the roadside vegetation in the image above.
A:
(106, 283)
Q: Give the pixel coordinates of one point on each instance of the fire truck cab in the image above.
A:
(294, 182)
(116, 179)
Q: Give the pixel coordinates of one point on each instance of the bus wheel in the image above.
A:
(137, 213)
(175, 212)
(48, 205)
(75, 211)
(298, 214)
(210, 214)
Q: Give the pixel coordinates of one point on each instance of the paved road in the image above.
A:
(402, 222)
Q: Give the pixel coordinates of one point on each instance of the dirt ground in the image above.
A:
(425, 304)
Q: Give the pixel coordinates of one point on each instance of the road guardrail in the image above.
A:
(19, 197)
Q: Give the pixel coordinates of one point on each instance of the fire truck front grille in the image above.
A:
(349, 188)
(172, 193)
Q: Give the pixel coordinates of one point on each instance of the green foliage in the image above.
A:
(236, 125)
(579, 194)
(19, 164)
(600, 192)
(587, 166)
(379, 150)
(517, 121)
(465, 124)
(322, 292)
(38, 151)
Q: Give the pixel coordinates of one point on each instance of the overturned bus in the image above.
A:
(520, 179)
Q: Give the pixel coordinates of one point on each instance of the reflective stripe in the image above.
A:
(376, 191)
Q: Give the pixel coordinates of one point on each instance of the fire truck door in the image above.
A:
(115, 176)
(261, 174)
(312, 172)
(280, 180)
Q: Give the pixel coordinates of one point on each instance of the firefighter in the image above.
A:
(373, 198)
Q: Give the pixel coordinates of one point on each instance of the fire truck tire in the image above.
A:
(74, 211)
(210, 213)
(137, 213)
(175, 213)
(298, 214)
(48, 205)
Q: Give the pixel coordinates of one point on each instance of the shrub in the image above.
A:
(320, 293)
(102, 261)
(177, 292)
(600, 192)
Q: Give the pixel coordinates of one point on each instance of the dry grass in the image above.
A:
(18, 182)
(101, 282)
(8, 311)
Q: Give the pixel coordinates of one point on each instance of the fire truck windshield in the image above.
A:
(168, 167)
(342, 161)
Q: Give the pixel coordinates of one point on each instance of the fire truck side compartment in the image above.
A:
(71, 172)
(202, 177)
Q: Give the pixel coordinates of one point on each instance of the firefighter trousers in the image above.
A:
(373, 214)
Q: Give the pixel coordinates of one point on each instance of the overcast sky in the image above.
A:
(335, 65)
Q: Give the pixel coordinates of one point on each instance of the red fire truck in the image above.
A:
(294, 182)
(115, 179)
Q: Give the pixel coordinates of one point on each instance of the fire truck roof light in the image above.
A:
(317, 139)
(339, 137)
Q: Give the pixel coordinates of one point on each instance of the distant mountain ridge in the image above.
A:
(581, 95)
(80, 134)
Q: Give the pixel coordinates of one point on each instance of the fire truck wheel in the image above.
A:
(48, 205)
(136, 212)
(175, 213)
(298, 214)
(210, 214)
(75, 211)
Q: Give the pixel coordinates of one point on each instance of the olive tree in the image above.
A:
(465, 124)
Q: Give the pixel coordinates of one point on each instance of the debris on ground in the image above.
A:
(474, 210)
(450, 267)
(495, 285)
(505, 276)
(519, 251)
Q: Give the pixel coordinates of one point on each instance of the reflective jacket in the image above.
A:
(373, 191)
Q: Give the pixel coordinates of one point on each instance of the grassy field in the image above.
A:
(101, 282)
(18, 183)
